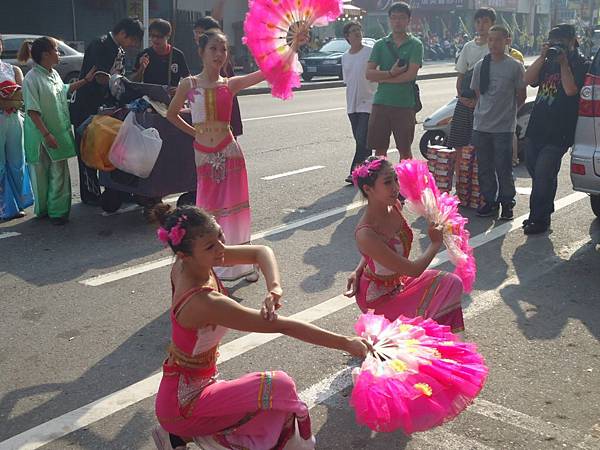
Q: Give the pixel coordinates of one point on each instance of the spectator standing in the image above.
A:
(106, 53)
(551, 128)
(498, 83)
(359, 91)
(394, 63)
(161, 63)
(461, 127)
(15, 187)
(49, 140)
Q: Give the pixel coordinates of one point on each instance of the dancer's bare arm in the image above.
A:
(264, 257)
(239, 83)
(176, 105)
(370, 244)
(217, 309)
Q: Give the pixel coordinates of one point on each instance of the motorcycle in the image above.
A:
(437, 125)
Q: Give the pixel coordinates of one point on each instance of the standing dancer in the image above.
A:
(222, 181)
(386, 280)
(260, 410)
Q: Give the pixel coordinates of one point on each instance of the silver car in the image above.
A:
(70, 59)
(585, 155)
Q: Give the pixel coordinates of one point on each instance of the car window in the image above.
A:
(11, 48)
(338, 45)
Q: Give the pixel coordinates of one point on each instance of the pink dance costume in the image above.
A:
(434, 294)
(259, 411)
(222, 181)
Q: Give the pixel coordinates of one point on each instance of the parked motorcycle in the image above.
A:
(437, 125)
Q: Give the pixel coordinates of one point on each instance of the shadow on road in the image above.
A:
(553, 290)
(45, 254)
(147, 347)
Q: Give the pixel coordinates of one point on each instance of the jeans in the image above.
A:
(543, 164)
(360, 126)
(494, 157)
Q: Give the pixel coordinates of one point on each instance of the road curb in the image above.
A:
(340, 83)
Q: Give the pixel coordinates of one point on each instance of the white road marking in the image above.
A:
(9, 234)
(293, 172)
(120, 274)
(106, 406)
(302, 113)
(523, 190)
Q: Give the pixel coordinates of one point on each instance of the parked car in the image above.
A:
(327, 61)
(70, 59)
(585, 154)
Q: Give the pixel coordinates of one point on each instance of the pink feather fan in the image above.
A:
(270, 29)
(419, 375)
(418, 186)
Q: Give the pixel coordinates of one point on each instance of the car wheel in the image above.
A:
(110, 200)
(432, 137)
(595, 201)
(306, 77)
(189, 198)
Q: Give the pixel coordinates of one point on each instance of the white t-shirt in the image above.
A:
(359, 91)
(470, 55)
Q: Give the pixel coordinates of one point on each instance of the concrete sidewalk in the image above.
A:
(430, 70)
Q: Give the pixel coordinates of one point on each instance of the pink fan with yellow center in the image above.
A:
(273, 30)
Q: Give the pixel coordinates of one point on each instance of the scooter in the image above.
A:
(437, 126)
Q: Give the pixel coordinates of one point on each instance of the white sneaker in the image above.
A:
(162, 440)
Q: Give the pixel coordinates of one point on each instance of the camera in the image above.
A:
(555, 50)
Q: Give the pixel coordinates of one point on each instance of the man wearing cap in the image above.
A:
(559, 74)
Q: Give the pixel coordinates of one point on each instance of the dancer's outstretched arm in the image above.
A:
(241, 82)
(217, 309)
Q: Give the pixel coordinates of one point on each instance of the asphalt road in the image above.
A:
(68, 339)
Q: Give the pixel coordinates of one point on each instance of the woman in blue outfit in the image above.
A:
(15, 187)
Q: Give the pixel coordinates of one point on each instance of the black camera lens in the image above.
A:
(554, 50)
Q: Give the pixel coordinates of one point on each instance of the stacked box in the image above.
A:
(467, 182)
(441, 162)
(432, 156)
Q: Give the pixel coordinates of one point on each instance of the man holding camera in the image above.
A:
(559, 72)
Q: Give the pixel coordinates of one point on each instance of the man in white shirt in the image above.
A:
(359, 91)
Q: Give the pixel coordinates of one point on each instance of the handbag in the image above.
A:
(135, 149)
(418, 105)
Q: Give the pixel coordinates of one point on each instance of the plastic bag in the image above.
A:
(97, 140)
(135, 149)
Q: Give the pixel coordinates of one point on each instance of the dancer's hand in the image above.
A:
(435, 234)
(351, 285)
(358, 346)
(271, 304)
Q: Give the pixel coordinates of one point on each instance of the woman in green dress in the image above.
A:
(49, 141)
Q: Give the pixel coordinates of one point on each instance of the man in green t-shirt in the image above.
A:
(394, 63)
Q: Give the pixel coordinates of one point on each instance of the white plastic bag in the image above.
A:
(135, 149)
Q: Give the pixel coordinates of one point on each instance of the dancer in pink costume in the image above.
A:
(257, 411)
(386, 280)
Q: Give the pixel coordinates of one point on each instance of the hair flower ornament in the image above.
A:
(365, 170)
(175, 235)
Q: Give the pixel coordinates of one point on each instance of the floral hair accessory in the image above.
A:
(365, 170)
(175, 236)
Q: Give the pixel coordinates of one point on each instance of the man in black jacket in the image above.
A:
(559, 72)
(106, 53)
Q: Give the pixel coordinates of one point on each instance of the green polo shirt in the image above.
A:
(392, 94)
(45, 92)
